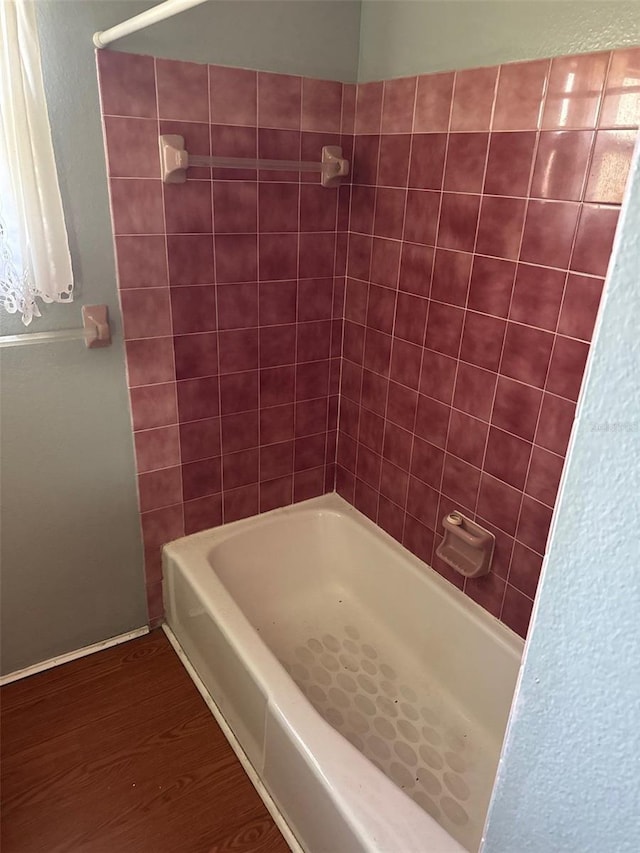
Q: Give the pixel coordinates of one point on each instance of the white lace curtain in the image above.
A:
(34, 250)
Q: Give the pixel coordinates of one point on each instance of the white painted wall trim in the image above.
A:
(69, 656)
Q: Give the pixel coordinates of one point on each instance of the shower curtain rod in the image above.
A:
(157, 13)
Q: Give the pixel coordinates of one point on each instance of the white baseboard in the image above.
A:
(69, 656)
(249, 769)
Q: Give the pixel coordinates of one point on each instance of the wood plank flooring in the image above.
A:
(118, 752)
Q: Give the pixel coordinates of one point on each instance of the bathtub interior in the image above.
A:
(314, 564)
(331, 797)
(414, 676)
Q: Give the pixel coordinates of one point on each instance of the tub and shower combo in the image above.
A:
(366, 697)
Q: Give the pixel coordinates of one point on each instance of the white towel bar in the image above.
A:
(175, 161)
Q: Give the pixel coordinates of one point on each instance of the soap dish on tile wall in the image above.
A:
(466, 547)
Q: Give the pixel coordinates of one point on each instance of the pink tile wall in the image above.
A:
(475, 236)
(483, 209)
(232, 307)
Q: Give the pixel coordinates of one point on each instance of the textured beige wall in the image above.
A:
(401, 37)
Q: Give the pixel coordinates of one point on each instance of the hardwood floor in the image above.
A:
(117, 752)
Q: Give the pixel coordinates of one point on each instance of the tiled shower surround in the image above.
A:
(479, 226)
(232, 322)
(483, 211)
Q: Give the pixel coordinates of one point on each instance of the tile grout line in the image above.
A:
(524, 224)
(257, 293)
(344, 295)
(508, 313)
(171, 323)
(364, 342)
(396, 291)
(577, 204)
(295, 356)
(426, 318)
(333, 318)
(496, 85)
(430, 283)
(217, 304)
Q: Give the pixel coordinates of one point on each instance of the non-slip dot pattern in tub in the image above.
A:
(332, 622)
(413, 734)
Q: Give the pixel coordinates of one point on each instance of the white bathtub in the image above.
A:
(369, 695)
